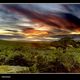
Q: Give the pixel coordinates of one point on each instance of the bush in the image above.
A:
(34, 69)
(18, 59)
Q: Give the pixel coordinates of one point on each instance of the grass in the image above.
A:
(13, 69)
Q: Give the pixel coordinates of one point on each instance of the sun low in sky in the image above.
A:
(38, 21)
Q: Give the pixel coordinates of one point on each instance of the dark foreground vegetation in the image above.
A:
(61, 56)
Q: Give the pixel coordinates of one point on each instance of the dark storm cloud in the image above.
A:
(30, 14)
(60, 20)
(11, 30)
(11, 36)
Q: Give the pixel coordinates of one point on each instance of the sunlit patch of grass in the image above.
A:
(13, 69)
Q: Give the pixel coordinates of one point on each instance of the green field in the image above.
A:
(61, 56)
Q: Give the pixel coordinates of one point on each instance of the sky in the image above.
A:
(39, 21)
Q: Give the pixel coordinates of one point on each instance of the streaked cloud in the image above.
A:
(40, 21)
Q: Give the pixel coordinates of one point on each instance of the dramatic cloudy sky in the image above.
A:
(38, 21)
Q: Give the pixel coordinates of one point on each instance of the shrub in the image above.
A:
(34, 69)
(18, 59)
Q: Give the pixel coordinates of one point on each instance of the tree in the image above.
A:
(66, 41)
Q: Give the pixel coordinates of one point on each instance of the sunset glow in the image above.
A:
(35, 33)
(75, 33)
